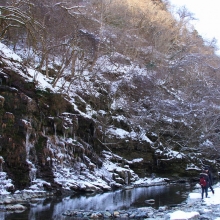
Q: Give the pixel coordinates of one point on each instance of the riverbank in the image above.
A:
(196, 208)
(36, 191)
(191, 208)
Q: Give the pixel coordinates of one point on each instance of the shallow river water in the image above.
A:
(53, 208)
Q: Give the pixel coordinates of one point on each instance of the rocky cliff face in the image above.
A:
(44, 135)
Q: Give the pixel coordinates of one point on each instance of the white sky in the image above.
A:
(208, 15)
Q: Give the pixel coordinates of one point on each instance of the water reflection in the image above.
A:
(118, 200)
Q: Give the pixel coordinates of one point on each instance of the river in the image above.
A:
(52, 208)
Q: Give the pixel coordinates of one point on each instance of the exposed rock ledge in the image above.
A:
(27, 196)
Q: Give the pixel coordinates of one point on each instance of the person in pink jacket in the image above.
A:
(204, 182)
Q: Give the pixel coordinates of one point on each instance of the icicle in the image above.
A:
(75, 126)
(28, 134)
(28, 145)
(126, 177)
(55, 129)
(1, 162)
(71, 130)
(32, 174)
(44, 130)
(32, 171)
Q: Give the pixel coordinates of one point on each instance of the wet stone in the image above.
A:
(132, 215)
(142, 215)
(162, 208)
(124, 216)
(8, 201)
(15, 207)
(97, 215)
(116, 213)
(107, 215)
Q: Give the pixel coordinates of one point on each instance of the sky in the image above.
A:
(208, 15)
